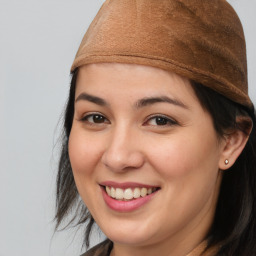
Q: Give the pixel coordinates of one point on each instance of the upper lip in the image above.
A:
(125, 185)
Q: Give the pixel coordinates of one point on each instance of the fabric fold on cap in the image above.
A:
(199, 39)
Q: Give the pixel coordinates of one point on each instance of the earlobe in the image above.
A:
(226, 162)
(234, 144)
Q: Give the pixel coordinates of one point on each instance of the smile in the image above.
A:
(128, 193)
(127, 197)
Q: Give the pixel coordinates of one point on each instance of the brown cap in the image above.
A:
(199, 39)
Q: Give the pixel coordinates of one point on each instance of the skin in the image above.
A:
(183, 156)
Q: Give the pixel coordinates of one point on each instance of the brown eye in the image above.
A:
(98, 119)
(160, 121)
(95, 119)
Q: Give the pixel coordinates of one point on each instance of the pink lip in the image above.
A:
(125, 206)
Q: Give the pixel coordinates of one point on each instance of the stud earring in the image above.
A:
(226, 162)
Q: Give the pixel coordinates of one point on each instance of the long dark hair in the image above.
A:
(234, 226)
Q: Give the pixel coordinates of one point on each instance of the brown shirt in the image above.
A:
(104, 249)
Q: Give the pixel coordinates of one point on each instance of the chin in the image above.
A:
(131, 239)
(133, 234)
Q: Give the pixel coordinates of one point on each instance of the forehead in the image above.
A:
(109, 79)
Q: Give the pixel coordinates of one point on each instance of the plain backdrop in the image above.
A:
(38, 42)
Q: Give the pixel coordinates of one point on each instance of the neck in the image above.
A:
(181, 249)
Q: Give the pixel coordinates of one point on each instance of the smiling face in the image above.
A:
(145, 156)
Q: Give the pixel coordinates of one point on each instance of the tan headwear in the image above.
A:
(202, 40)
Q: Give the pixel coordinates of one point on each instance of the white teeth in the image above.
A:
(149, 191)
(128, 193)
(113, 192)
(119, 193)
(136, 193)
(108, 190)
(143, 192)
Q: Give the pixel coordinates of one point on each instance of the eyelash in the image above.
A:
(166, 121)
(94, 115)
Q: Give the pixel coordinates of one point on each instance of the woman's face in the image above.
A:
(144, 154)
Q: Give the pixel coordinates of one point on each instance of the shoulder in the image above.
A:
(102, 249)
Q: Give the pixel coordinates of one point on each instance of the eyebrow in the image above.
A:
(152, 100)
(91, 98)
(139, 104)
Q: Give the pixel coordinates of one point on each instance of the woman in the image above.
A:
(159, 133)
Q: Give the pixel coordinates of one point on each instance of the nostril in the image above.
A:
(122, 161)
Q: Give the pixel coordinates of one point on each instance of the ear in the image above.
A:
(234, 142)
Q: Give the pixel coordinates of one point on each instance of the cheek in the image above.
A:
(84, 152)
(185, 155)
(188, 167)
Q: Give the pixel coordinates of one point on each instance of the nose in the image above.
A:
(123, 151)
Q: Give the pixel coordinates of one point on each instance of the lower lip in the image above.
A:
(125, 206)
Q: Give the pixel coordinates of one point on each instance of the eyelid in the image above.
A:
(90, 114)
(171, 121)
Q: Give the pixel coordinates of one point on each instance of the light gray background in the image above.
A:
(38, 41)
